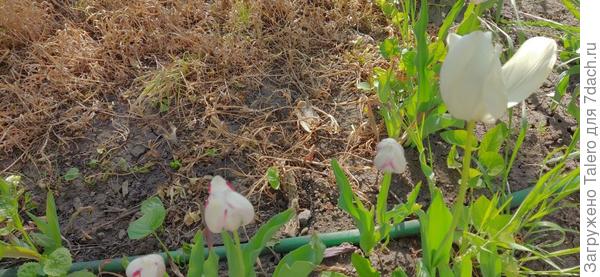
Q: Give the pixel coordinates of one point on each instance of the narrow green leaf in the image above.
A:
(15, 251)
(470, 21)
(211, 265)
(434, 226)
(235, 267)
(464, 267)
(345, 200)
(363, 266)
(264, 234)
(452, 158)
(53, 229)
(332, 274)
(572, 7)
(399, 272)
(490, 262)
(196, 264)
(449, 19)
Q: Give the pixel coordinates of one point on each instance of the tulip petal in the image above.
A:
(146, 266)
(215, 215)
(527, 70)
(243, 208)
(218, 185)
(470, 61)
(453, 38)
(390, 156)
(494, 94)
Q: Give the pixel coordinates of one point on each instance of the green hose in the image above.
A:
(404, 229)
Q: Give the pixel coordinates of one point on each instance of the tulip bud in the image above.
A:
(390, 156)
(475, 86)
(147, 266)
(226, 209)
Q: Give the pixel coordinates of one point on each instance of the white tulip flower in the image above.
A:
(478, 1)
(475, 86)
(147, 266)
(390, 156)
(226, 209)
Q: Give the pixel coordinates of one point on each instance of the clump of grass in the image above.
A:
(24, 22)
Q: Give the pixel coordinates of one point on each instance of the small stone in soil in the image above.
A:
(114, 186)
(303, 217)
(137, 150)
(100, 198)
(125, 188)
(122, 234)
(77, 203)
(304, 231)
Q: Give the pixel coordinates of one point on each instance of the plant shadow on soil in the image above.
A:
(301, 74)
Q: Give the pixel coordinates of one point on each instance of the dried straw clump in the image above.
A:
(211, 65)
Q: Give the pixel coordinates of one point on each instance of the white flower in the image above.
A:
(475, 86)
(478, 1)
(147, 266)
(390, 156)
(225, 208)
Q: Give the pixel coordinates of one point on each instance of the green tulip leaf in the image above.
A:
(363, 266)
(262, 237)
(302, 261)
(196, 265)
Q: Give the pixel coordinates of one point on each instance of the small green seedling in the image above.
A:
(175, 164)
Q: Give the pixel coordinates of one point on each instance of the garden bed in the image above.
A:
(152, 98)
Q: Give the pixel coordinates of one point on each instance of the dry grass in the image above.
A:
(65, 63)
(230, 87)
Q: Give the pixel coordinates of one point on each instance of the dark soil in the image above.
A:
(241, 126)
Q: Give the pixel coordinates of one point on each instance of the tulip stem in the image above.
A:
(238, 246)
(457, 209)
(466, 165)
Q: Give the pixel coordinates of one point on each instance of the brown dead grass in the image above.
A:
(64, 63)
(263, 83)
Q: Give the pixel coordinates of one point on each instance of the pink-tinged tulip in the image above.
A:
(476, 86)
(390, 156)
(226, 209)
(147, 266)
